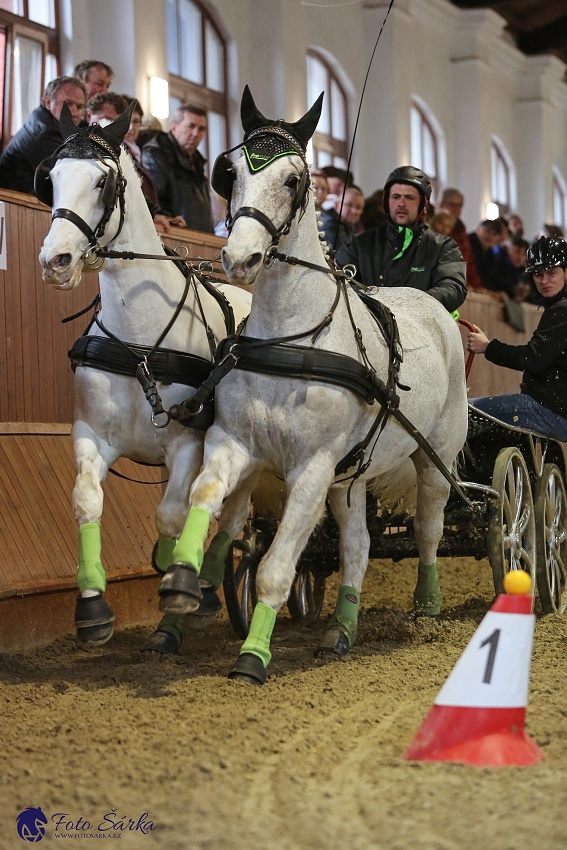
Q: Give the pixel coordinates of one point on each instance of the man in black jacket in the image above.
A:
(177, 169)
(40, 136)
(542, 404)
(404, 252)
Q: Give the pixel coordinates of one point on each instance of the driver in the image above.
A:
(404, 252)
(541, 406)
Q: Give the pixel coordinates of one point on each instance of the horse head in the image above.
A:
(265, 188)
(84, 183)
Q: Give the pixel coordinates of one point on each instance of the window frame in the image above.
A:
(426, 124)
(337, 150)
(501, 164)
(559, 194)
(20, 25)
(209, 99)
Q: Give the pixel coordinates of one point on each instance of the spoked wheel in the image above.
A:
(239, 583)
(307, 593)
(511, 522)
(551, 540)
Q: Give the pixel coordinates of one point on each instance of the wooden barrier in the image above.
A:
(38, 532)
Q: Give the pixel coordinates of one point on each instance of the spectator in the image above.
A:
(452, 200)
(403, 252)
(96, 75)
(350, 209)
(487, 236)
(177, 169)
(40, 136)
(149, 128)
(161, 217)
(541, 406)
(105, 106)
(515, 225)
(373, 213)
(552, 231)
(442, 222)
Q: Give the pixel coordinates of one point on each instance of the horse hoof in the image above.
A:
(179, 590)
(93, 620)
(208, 610)
(334, 642)
(158, 646)
(248, 670)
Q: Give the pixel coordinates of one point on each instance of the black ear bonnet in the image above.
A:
(93, 142)
(266, 140)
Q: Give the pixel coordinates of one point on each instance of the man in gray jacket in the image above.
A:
(177, 169)
(404, 252)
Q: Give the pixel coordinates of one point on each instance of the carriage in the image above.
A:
(515, 480)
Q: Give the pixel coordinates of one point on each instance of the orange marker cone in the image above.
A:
(479, 713)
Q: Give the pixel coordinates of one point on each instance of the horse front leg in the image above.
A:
(354, 546)
(432, 494)
(94, 619)
(226, 463)
(172, 628)
(304, 508)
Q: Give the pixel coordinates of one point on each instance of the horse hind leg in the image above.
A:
(94, 619)
(432, 494)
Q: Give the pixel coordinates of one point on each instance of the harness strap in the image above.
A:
(62, 212)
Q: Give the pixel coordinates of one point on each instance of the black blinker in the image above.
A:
(222, 178)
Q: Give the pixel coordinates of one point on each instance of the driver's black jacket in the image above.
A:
(543, 359)
(430, 262)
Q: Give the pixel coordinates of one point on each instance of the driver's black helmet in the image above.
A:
(413, 177)
(546, 253)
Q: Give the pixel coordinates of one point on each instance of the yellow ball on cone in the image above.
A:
(517, 582)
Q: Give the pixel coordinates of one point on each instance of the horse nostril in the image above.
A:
(61, 261)
(253, 260)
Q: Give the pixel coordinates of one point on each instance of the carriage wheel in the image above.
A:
(239, 583)
(511, 523)
(551, 540)
(307, 593)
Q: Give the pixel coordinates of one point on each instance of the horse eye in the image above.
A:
(292, 182)
(101, 182)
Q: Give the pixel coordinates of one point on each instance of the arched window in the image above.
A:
(502, 177)
(559, 189)
(427, 143)
(330, 141)
(197, 64)
(29, 58)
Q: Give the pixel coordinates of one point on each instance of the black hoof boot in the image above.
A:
(93, 620)
(208, 609)
(154, 561)
(179, 590)
(335, 642)
(159, 645)
(249, 670)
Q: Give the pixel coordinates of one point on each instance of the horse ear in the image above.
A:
(66, 123)
(116, 131)
(305, 127)
(250, 115)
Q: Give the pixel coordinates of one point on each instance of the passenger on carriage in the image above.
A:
(404, 252)
(541, 406)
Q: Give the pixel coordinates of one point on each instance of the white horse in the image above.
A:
(97, 201)
(299, 428)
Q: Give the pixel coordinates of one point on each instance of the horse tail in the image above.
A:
(396, 489)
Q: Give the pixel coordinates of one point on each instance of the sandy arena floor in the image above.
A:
(311, 761)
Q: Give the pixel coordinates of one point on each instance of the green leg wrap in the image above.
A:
(164, 552)
(427, 594)
(189, 547)
(174, 624)
(261, 628)
(215, 556)
(345, 617)
(90, 574)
